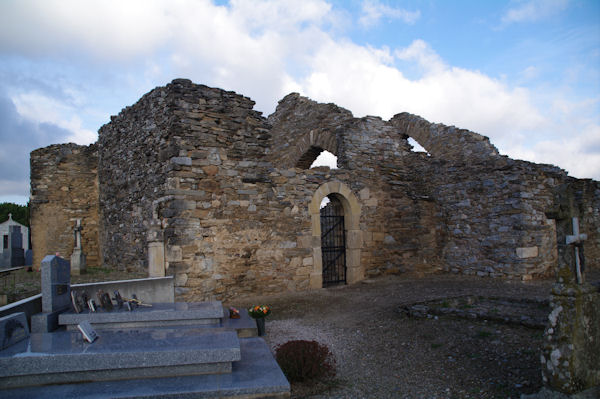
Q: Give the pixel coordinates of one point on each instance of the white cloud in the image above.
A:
(325, 158)
(373, 11)
(370, 84)
(265, 49)
(533, 10)
(43, 109)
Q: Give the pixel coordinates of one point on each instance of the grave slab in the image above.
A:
(256, 375)
(159, 315)
(65, 357)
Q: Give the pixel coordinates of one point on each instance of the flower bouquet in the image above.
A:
(258, 313)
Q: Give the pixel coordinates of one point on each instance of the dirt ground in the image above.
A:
(380, 351)
(383, 353)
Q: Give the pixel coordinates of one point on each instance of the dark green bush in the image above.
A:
(305, 360)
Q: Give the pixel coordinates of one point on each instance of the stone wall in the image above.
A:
(64, 188)
(493, 207)
(135, 154)
(230, 197)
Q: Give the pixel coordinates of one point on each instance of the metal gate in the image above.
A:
(333, 243)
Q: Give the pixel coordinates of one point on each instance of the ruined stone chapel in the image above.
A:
(192, 182)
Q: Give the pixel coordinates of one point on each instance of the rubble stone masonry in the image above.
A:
(231, 196)
(64, 188)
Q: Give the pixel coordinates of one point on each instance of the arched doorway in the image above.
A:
(333, 241)
(344, 204)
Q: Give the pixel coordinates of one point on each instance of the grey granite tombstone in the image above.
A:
(56, 284)
(56, 293)
(13, 329)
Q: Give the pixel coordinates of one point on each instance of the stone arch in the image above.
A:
(311, 145)
(445, 142)
(355, 271)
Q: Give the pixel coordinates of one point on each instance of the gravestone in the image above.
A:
(56, 293)
(14, 254)
(571, 346)
(13, 329)
(56, 284)
(78, 257)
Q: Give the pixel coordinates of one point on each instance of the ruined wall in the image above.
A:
(496, 221)
(493, 207)
(230, 197)
(64, 187)
(302, 128)
(446, 142)
(399, 224)
(135, 154)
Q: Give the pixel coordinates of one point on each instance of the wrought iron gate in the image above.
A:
(333, 243)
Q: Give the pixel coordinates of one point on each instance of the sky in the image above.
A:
(525, 73)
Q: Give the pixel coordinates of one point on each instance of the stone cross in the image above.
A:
(577, 239)
(78, 257)
(77, 233)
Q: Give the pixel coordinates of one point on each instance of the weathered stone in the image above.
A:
(238, 206)
(529, 252)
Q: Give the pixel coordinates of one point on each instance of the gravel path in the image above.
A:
(382, 353)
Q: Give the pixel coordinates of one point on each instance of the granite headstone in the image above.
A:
(56, 284)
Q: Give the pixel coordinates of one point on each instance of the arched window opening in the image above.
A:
(316, 156)
(325, 158)
(333, 242)
(416, 146)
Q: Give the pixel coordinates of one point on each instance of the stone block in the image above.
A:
(78, 262)
(156, 259)
(527, 252)
(364, 193)
(354, 239)
(186, 161)
(354, 275)
(316, 281)
(174, 253)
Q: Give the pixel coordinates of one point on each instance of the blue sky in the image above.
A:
(525, 73)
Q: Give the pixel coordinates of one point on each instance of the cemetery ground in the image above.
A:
(382, 352)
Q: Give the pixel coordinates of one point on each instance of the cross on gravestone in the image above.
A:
(77, 233)
(77, 257)
(576, 240)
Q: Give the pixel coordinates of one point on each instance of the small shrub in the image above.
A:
(305, 360)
